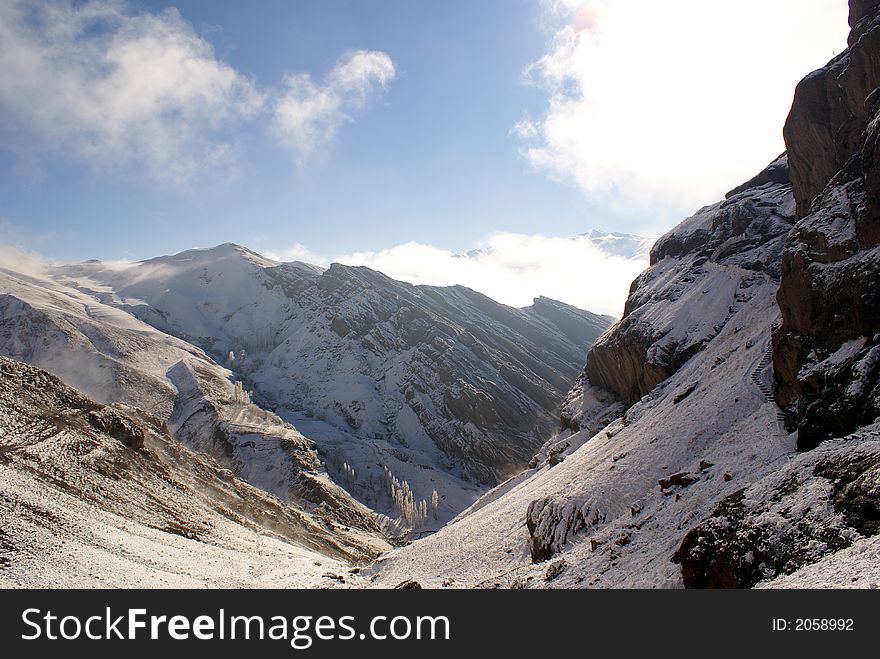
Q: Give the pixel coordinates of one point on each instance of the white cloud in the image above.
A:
(22, 261)
(296, 252)
(670, 104)
(516, 268)
(102, 82)
(109, 85)
(308, 115)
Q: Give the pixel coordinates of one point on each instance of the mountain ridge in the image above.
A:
(451, 389)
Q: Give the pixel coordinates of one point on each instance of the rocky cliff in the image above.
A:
(700, 274)
(827, 350)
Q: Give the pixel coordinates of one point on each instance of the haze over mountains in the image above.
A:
(723, 433)
(514, 268)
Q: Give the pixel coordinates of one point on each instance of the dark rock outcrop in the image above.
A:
(790, 519)
(409, 584)
(831, 109)
(111, 421)
(827, 351)
(551, 523)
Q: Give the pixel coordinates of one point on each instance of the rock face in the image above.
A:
(821, 503)
(700, 273)
(827, 351)
(449, 389)
(111, 421)
(832, 107)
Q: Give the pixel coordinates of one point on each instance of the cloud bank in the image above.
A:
(671, 104)
(516, 268)
(102, 82)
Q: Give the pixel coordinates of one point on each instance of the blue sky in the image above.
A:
(342, 129)
(432, 159)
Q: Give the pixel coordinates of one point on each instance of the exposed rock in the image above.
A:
(860, 10)
(829, 115)
(684, 394)
(827, 350)
(681, 480)
(554, 570)
(622, 540)
(700, 273)
(856, 491)
(588, 407)
(109, 420)
(551, 524)
(409, 584)
(814, 506)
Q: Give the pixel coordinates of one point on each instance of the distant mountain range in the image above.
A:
(317, 385)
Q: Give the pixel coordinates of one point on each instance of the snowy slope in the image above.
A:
(605, 492)
(697, 482)
(113, 357)
(95, 496)
(450, 390)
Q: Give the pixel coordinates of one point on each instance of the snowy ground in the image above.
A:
(857, 566)
(79, 507)
(81, 546)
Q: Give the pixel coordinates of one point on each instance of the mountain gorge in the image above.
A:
(676, 465)
(320, 387)
(725, 432)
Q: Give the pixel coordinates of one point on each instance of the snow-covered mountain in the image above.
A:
(696, 481)
(114, 358)
(404, 391)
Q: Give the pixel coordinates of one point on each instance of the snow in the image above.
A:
(92, 548)
(614, 473)
(80, 509)
(367, 392)
(857, 566)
